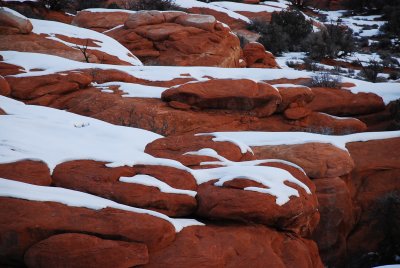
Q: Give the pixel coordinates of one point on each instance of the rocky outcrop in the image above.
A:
(13, 22)
(376, 189)
(236, 246)
(81, 250)
(319, 160)
(71, 90)
(259, 99)
(177, 38)
(344, 103)
(100, 21)
(178, 147)
(25, 223)
(29, 171)
(338, 216)
(231, 202)
(40, 36)
(95, 178)
(256, 56)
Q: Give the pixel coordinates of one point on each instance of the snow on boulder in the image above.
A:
(159, 188)
(178, 38)
(11, 22)
(180, 148)
(101, 20)
(55, 38)
(274, 194)
(260, 99)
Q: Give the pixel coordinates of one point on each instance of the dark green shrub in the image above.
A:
(161, 5)
(371, 71)
(285, 32)
(334, 41)
(57, 4)
(84, 4)
(325, 79)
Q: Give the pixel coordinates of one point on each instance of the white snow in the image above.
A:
(233, 6)
(254, 138)
(271, 177)
(105, 43)
(52, 64)
(135, 90)
(151, 181)
(359, 24)
(55, 136)
(108, 10)
(16, 189)
(226, 162)
(13, 12)
(243, 147)
(199, 4)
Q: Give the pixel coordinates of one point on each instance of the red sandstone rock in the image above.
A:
(337, 220)
(319, 160)
(33, 172)
(256, 56)
(32, 87)
(100, 20)
(24, 223)
(175, 147)
(86, 251)
(24, 40)
(376, 186)
(329, 125)
(242, 94)
(299, 95)
(13, 23)
(4, 87)
(236, 246)
(95, 178)
(178, 38)
(297, 113)
(343, 102)
(233, 23)
(9, 69)
(231, 202)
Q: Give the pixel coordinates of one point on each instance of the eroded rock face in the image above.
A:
(232, 202)
(33, 172)
(376, 184)
(100, 21)
(24, 223)
(178, 38)
(40, 36)
(337, 220)
(95, 178)
(81, 250)
(343, 102)
(177, 148)
(256, 56)
(319, 160)
(260, 99)
(12, 22)
(236, 246)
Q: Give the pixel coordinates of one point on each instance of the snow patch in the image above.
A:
(16, 189)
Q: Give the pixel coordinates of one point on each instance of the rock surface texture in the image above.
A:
(199, 163)
(177, 38)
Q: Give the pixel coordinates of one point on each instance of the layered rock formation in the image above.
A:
(28, 35)
(197, 197)
(168, 38)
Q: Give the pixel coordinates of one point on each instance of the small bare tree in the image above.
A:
(84, 50)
